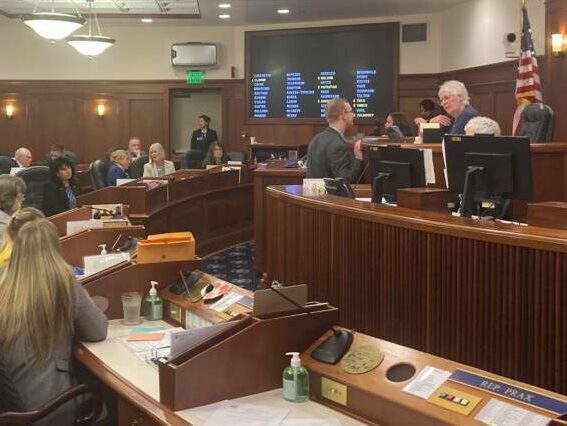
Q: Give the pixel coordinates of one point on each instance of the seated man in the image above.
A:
(23, 157)
(119, 163)
(135, 148)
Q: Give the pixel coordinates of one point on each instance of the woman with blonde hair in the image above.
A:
(21, 217)
(157, 165)
(43, 310)
(12, 192)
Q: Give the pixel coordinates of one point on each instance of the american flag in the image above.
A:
(528, 83)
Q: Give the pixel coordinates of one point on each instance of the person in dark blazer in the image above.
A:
(62, 190)
(202, 138)
(51, 312)
(455, 100)
(120, 161)
(328, 155)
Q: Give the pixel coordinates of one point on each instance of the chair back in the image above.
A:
(136, 169)
(537, 123)
(236, 156)
(6, 164)
(193, 159)
(98, 170)
(35, 178)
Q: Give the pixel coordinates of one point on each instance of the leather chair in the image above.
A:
(6, 163)
(537, 123)
(136, 169)
(236, 156)
(97, 171)
(193, 159)
(12, 410)
(35, 178)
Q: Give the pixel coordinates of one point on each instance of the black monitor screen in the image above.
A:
(291, 74)
(503, 164)
(393, 168)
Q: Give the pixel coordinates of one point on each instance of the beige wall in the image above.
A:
(465, 35)
(185, 112)
(473, 32)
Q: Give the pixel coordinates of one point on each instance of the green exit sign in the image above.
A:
(195, 77)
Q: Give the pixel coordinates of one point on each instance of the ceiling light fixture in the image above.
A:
(91, 45)
(52, 25)
(224, 16)
(283, 11)
(147, 20)
(224, 5)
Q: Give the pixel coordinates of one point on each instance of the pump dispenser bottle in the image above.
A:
(295, 380)
(153, 304)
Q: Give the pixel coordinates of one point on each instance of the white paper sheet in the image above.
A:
(226, 301)
(74, 226)
(235, 414)
(498, 413)
(427, 381)
(428, 165)
(311, 422)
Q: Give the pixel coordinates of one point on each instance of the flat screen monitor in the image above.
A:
(393, 168)
(484, 168)
(292, 73)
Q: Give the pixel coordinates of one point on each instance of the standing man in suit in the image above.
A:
(328, 155)
(204, 136)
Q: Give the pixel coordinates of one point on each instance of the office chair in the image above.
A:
(193, 159)
(136, 169)
(35, 178)
(97, 171)
(537, 122)
(12, 409)
(236, 156)
(6, 163)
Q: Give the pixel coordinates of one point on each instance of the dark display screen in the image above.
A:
(291, 74)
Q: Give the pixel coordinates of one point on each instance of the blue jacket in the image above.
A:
(458, 127)
(115, 172)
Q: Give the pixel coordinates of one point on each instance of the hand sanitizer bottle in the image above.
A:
(295, 380)
(153, 305)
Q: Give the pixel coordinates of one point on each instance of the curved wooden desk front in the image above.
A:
(485, 294)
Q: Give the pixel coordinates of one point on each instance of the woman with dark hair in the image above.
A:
(61, 191)
(400, 120)
(216, 155)
(202, 138)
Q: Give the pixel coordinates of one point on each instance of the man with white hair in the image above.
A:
(23, 157)
(454, 98)
(482, 126)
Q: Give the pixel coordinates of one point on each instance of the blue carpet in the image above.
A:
(235, 265)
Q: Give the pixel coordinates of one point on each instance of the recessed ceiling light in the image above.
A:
(147, 20)
(224, 5)
(283, 11)
(224, 16)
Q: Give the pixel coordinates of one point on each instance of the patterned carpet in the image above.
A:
(235, 265)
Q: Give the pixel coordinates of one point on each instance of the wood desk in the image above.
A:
(482, 293)
(214, 207)
(264, 177)
(137, 386)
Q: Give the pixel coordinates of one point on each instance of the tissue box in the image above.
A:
(170, 247)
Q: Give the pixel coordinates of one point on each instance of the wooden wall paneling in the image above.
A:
(146, 120)
(98, 134)
(14, 132)
(54, 120)
(233, 117)
(555, 69)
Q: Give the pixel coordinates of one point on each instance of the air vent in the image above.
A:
(414, 32)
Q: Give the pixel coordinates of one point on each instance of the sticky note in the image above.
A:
(145, 337)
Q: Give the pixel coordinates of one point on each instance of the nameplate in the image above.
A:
(488, 384)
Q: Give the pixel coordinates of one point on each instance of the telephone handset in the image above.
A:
(338, 186)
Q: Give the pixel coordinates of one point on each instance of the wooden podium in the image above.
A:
(246, 357)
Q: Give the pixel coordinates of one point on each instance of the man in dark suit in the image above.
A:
(328, 155)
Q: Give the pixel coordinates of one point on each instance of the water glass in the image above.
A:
(131, 303)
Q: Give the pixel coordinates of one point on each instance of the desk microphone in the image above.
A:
(335, 346)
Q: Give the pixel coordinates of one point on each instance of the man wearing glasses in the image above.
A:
(328, 155)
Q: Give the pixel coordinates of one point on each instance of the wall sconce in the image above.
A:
(100, 108)
(557, 44)
(9, 111)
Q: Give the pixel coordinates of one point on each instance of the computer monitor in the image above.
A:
(493, 168)
(393, 168)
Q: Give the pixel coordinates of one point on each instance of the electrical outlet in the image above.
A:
(334, 391)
